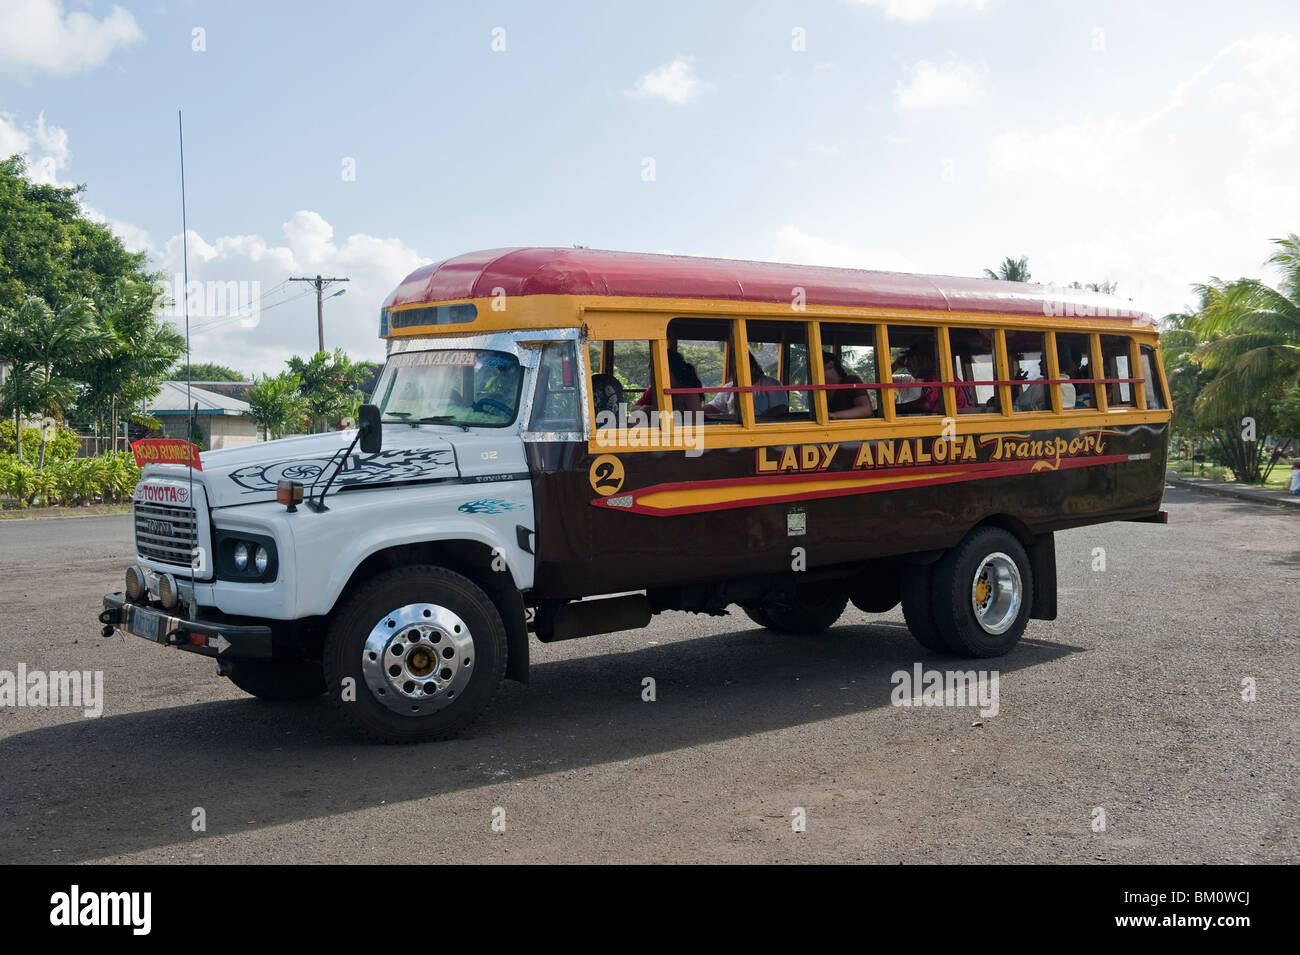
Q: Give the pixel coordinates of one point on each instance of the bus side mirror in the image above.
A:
(372, 430)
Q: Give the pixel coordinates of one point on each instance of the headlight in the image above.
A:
(245, 557)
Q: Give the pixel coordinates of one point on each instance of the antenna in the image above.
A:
(189, 369)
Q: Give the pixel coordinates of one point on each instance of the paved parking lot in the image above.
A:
(1130, 705)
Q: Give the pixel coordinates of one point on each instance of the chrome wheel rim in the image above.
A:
(996, 593)
(418, 659)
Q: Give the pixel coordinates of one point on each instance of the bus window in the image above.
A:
(626, 378)
(556, 406)
(1154, 397)
(973, 362)
(1115, 364)
(1073, 360)
(705, 345)
(853, 350)
(780, 350)
(914, 356)
(1027, 362)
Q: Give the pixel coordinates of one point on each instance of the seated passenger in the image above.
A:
(767, 404)
(1033, 396)
(921, 367)
(844, 403)
(681, 374)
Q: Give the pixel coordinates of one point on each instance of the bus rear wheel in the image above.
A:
(982, 593)
(918, 608)
(415, 654)
(808, 613)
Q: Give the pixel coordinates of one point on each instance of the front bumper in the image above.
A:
(210, 638)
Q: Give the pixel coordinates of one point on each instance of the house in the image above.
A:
(224, 420)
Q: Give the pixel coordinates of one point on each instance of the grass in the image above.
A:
(1280, 479)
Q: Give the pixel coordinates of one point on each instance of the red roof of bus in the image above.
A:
(541, 271)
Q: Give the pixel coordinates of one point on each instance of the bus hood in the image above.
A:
(249, 474)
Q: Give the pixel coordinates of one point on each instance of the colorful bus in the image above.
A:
(566, 442)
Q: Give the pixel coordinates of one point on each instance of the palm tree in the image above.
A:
(1011, 270)
(1250, 334)
(140, 356)
(42, 345)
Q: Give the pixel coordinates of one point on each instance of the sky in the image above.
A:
(1152, 144)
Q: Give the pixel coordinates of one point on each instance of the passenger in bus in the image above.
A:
(920, 364)
(844, 403)
(681, 374)
(1033, 396)
(767, 404)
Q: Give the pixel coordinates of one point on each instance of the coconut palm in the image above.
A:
(1011, 270)
(1255, 332)
(42, 345)
(1250, 334)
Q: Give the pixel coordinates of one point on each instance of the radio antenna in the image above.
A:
(189, 369)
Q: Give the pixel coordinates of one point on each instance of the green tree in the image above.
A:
(1250, 343)
(331, 386)
(50, 249)
(43, 345)
(1105, 288)
(1011, 270)
(139, 358)
(276, 403)
(206, 371)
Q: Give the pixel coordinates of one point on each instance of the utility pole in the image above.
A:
(321, 284)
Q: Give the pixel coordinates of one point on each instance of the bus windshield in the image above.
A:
(464, 386)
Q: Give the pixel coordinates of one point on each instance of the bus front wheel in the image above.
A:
(415, 654)
(982, 592)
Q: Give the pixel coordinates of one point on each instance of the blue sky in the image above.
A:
(1151, 144)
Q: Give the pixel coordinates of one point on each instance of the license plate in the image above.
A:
(146, 624)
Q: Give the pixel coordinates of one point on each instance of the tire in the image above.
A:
(983, 589)
(445, 647)
(877, 591)
(278, 679)
(918, 603)
(805, 615)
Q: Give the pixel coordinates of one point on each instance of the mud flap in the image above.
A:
(1042, 562)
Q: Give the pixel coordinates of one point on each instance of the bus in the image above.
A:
(567, 442)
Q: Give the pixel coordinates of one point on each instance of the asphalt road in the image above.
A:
(1129, 704)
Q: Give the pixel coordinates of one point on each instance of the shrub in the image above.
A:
(62, 446)
(104, 479)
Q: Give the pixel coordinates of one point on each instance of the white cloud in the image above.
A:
(39, 36)
(44, 146)
(914, 10)
(928, 85)
(791, 244)
(286, 319)
(1167, 197)
(674, 82)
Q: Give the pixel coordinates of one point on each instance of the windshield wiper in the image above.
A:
(440, 419)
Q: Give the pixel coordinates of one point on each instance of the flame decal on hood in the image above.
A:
(385, 467)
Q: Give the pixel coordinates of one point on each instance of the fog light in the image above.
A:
(136, 589)
(241, 557)
(167, 592)
(261, 559)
